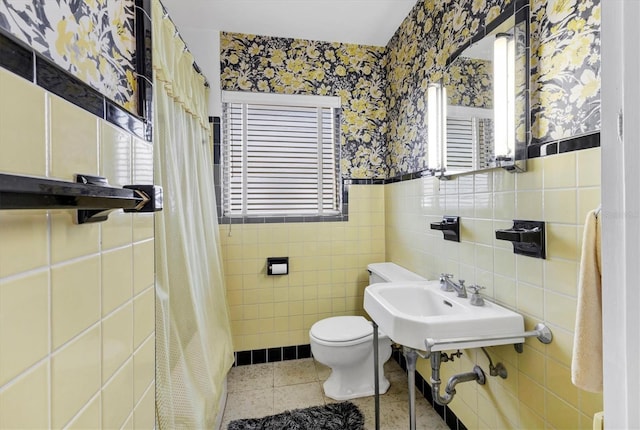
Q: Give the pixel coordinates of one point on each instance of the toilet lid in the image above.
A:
(341, 329)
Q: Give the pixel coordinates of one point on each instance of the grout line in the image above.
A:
(84, 408)
(81, 333)
(24, 373)
(25, 274)
(76, 259)
(150, 387)
(50, 309)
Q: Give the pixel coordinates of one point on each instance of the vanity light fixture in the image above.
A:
(504, 97)
(436, 137)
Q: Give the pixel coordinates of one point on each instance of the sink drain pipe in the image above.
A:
(477, 374)
(411, 357)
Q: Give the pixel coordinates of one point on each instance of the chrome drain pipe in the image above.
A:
(477, 374)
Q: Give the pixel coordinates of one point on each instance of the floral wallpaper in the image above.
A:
(565, 68)
(384, 128)
(469, 83)
(355, 73)
(417, 56)
(92, 39)
(564, 61)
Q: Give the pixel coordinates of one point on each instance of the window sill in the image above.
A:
(343, 217)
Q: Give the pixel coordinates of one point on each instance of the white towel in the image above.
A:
(586, 363)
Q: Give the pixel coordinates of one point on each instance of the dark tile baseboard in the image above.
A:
(271, 355)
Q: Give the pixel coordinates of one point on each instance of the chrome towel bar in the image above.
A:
(92, 196)
(541, 331)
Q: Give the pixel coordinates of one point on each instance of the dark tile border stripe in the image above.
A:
(15, 58)
(55, 80)
(223, 220)
(22, 60)
(576, 143)
(587, 141)
(123, 119)
(143, 58)
(271, 355)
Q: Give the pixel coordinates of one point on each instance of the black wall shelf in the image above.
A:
(450, 227)
(528, 238)
(92, 196)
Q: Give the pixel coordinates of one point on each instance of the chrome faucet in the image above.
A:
(445, 278)
(447, 284)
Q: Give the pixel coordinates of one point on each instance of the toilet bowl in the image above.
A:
(345, 344)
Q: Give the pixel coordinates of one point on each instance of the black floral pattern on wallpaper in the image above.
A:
(418, 55)
(565, 68)
(469, 83)
(391, 139)
(355, 73)
(93, 40)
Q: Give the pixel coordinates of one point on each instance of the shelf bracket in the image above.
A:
(528, 238)
(450, 227)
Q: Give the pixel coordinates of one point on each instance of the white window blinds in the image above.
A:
(280, 155)
(469, 143)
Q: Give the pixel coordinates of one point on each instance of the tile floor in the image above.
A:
(265, 389)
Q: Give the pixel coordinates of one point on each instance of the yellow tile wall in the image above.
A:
(327, 271)
(560, 190)
(76, 301)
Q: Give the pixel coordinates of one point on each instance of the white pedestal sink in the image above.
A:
(412, 312)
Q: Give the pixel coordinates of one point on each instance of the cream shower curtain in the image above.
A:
(193, 337)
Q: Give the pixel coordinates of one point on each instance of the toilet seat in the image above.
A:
(342, 331)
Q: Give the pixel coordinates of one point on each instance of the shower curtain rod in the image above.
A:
(186, 47)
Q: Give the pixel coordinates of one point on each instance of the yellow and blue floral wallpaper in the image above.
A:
(564, 62)
(384, 90)
(93, 39)
(469, 83)
(356, 73)
(417, 56)
(565, 68)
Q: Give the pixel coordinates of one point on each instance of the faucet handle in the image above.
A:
(444, 276)
(461, 282)
(476, 298)
(475, 288)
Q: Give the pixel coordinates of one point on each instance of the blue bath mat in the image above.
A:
(334, 416)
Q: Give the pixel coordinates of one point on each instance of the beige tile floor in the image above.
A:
(265, 389)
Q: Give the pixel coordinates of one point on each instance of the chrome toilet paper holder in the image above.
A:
(277, 262)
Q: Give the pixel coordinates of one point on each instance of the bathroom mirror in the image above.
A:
(485, 87)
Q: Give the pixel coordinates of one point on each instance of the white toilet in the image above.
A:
(345, 344)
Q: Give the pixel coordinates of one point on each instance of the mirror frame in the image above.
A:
(519, 11)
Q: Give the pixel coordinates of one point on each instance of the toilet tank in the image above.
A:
(390, 272)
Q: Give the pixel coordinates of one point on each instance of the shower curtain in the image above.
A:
(193, 336)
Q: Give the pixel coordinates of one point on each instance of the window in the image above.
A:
(469, 143)
(280, 155)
